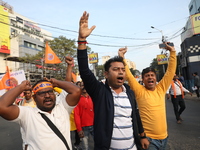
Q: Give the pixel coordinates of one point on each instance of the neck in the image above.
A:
(118, 90)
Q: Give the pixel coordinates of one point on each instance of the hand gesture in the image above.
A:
(190, 93)
(84, 31)
(122, 51)
(52, 80)
(69, 60)
(26, 85)
(169, 48)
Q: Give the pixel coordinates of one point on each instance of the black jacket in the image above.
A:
(104, 106)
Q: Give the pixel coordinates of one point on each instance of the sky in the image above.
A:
(118, 23)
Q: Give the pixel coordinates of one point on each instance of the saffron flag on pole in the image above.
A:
(5, 82)
(50, 56)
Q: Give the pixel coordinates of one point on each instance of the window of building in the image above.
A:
(30, 45)
(40, 48)
(191, 8)
(13, 22)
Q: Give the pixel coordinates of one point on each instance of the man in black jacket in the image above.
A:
(117, 123)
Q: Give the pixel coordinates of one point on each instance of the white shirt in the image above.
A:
(122, 136)
(38, 135)
(177, 88)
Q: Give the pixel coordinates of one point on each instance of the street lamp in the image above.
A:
(163, 38)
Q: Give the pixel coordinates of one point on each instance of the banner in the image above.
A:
(195, 19)
(4, 31)
(93, 58)
(162, 59)
(16, 78)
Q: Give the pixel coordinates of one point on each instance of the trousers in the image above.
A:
(178, 101)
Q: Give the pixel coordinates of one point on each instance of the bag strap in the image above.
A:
(55, 129)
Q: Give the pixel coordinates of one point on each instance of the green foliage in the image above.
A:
(135, 72)
(100, 71)
(62, 47)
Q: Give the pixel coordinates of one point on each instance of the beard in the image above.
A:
(47, 109)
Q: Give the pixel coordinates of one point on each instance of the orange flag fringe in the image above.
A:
(50, 56)
(5, 81)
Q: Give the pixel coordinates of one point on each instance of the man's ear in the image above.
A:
(106, 74)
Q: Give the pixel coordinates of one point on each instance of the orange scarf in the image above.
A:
(174, 89)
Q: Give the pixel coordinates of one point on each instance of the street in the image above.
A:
(185, 136)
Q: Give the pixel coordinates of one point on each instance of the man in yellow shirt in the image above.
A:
(150, 98)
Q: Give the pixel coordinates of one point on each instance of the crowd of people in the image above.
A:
(116, 115)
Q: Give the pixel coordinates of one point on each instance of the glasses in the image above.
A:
(43, 93)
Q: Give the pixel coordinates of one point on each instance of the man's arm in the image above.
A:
(70, 62)
(171, 69)
(7, 110)
(84, 31)
(135, 86)
(73, 91)
(90, 81)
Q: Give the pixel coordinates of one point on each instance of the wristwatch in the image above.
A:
(143, 137)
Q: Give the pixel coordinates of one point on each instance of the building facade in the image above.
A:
(190, 46)
(19, 36)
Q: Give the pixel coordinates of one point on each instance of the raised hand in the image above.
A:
(122, 51)
(26, 85)
(69, 60)
(169, 48)
(84, 31)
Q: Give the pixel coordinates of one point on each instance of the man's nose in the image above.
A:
(47, 94)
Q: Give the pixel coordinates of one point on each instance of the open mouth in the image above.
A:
(48, 101)
(150, 82)
(120, 79)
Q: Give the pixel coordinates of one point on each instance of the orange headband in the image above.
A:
(41, 85)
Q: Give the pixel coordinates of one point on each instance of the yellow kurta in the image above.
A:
(151, 104)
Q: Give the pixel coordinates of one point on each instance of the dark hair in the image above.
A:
(111, 60)
(195, 73)
(146, 70)
(39, 82)
(28, 90)
(78, 82)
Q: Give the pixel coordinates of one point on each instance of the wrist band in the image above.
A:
(143, 137)
(82, 42)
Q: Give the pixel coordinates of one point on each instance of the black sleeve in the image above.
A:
(91, 84)
(139, 122)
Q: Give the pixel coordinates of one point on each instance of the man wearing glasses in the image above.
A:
(38, 135)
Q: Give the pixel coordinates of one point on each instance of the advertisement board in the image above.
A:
(195, 19)
(93, 58)
(162, 59)
(4, 31)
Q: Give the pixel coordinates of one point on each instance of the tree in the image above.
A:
(62, 47)
(135, 72)
(100, 71)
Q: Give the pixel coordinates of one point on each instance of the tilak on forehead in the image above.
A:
(41, 85)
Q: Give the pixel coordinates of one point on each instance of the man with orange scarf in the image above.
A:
(176, 91)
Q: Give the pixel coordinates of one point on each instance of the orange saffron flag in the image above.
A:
(74, 77)
(5, 81)
(50, 56)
